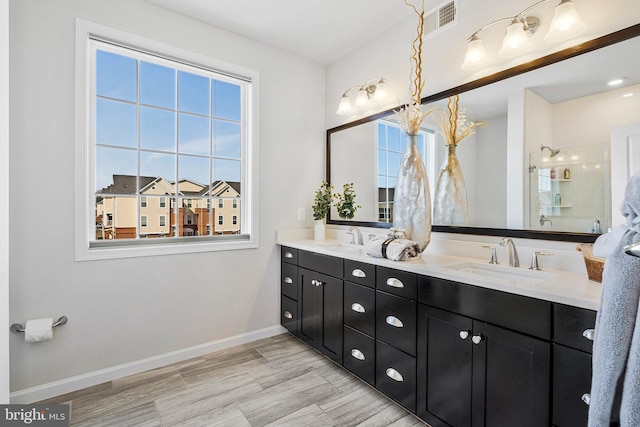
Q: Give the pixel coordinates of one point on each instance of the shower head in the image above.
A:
(552, 152)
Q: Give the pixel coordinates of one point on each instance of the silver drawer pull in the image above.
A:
(358, 273)
(357, 354)
(394, 283)
(288, 280)
(464, 335)
(288, 315)
(394, 321)
(586, 398)
(357, 307)
(315, 282)
(394, 375)
(288, 255)
(477, 339)
(589, 334)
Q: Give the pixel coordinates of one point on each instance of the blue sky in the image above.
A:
(178, 111)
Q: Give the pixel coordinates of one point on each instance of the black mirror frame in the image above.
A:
(591, 45)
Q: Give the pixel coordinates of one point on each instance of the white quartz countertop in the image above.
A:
(551, 285)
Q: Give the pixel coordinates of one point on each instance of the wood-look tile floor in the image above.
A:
(277, 381)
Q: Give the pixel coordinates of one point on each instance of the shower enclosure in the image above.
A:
(569, 189)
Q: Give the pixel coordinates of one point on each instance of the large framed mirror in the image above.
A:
(565, 191)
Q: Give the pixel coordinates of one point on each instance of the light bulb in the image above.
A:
(566, 23)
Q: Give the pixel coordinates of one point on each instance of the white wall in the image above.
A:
(388, 55)
(124, 310)
(4, 207)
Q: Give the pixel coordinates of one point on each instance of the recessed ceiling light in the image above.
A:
(627, 95)
(617, 81)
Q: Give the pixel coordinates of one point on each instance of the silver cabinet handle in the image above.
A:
(589, 334)
(288, 280)
(395, 283)
(357, 307)
(476, 339)
(288, 255)
(357, 354)
(586, 398)
(316, 282)
(288, 315)
(358, 273)
(394, 321)
(394, 375)
(464, 335)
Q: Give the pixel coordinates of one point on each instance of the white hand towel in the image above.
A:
(393, 249)
(38, 330)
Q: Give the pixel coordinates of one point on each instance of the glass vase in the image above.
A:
(450, 200)
(412, 197)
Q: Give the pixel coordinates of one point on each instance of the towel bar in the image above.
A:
(17, 327)
(632, 249)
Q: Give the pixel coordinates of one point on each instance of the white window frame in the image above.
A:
(162, 221)
(144, 221)
(85, 158)
(143, 201)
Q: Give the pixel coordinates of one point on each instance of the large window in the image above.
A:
(164, 138)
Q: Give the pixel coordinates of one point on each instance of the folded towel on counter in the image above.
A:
(616, 349)
(393, 249)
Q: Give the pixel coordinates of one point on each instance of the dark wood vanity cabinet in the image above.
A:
(573, 333)
(474, 373)
(289, 289)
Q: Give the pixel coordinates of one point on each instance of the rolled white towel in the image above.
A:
(393, 249)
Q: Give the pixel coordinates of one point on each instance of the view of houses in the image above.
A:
(149, 207)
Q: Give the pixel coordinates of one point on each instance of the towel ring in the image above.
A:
(17, 327)
(632, 249)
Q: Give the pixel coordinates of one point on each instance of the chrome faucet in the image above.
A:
(356, 235)
(544, 219)
(513, 253)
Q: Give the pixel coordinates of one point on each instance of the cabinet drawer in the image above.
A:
(360, 273)
(574, 327)
(289, 255)
(571, 380)
(360, 308)
(396, 375)
(528, 315)
(397, 282)
(289, 314)
(322, 263)
(289, 280)
(359, 354)
(396, 321)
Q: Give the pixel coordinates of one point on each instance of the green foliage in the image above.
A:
(322, 201)
(346, 202)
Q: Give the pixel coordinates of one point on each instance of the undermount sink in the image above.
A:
(351, 247)
(502, 273)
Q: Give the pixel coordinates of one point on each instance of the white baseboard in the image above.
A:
(67, 385)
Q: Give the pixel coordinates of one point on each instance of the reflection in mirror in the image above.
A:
(564, 105)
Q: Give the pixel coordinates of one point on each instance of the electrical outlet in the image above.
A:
(300, 214)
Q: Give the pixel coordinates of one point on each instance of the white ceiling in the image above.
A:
(320, 30)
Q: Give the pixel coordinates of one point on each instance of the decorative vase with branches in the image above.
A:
(346, 202)
(450, 199)
(321, 205)
(412, 197)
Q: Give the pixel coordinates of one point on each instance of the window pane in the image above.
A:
(157, 129)
(156, 165)
(227, 218)
(394, 142)
(382, 162)
(116, 123)
(116, 217)
(196, 171)
(193, 135)
(226, 170)
(157, 85)
(112, 165)
(394, 163)
(193, 93)
(226, 139)
(226, 100)
(193, 217)
(116, 76)
(382, 136)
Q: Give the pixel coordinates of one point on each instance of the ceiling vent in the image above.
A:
(441, 17)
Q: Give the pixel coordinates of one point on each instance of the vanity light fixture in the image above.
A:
(565, 24)
(371, 93)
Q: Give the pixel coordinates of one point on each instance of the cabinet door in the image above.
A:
(571, 381)
(511, 375)
(309, 307)
(331, 292)
(444, 368)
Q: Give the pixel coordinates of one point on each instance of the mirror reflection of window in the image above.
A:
(391, 146)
